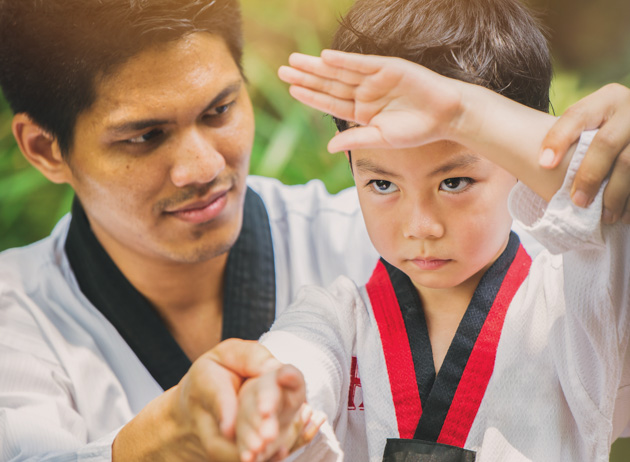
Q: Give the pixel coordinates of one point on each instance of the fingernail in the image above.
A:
(547, 157)
(580, 198)
(608, 217)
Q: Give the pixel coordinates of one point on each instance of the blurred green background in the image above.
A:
(590, 42)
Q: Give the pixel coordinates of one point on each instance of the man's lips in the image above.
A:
(429, 263)
(201, 211)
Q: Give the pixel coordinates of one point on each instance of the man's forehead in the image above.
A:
(198, 66)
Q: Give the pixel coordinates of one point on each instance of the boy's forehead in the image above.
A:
(432, 159)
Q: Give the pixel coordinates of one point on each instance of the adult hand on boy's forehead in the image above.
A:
(395, 103)
(609, 110)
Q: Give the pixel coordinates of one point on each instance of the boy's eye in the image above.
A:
(456, 184)
(145, 137)
(383, 187)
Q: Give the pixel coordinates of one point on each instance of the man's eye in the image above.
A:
(218, 111)
(383, 187)
(145, 137)
(222, 109)
(456, 184)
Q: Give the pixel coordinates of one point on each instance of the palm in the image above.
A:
(396, 103)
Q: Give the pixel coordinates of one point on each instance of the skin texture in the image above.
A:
(273, 418)
(439, 214)
(130, 179)
(171, 130)
(609, 153)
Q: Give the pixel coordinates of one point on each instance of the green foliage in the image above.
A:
(290, 138)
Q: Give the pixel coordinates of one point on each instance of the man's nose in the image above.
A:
(196, 160)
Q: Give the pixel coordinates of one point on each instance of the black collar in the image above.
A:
(248, 299)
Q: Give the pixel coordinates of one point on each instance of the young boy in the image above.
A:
(460, 347)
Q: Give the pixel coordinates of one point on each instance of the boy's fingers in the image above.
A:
(248, 438)
(268, 395)
(336, 107)
(290, 377)
(308, 432)
(357, 138)
(363, 64)
(314, 82)
(316, 65)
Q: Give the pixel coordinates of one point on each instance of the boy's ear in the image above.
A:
(349, 157)
(40, 148)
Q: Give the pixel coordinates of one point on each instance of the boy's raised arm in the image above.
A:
(400, 104)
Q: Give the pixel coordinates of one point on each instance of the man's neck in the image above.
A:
(187, 296)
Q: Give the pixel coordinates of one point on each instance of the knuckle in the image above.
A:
(616, 90)
(623, 164)
(589, 180)
(607, 140)
(575, 111)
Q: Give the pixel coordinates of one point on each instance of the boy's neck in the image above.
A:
(443, 311)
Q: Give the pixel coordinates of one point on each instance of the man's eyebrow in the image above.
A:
(139, 125)
(366, 165)
(462, 161)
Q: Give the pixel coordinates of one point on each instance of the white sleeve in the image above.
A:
(316, 334)
(38, 419)
(595, 286)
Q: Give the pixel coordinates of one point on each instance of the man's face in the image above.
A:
(438, 213)
(160, 160)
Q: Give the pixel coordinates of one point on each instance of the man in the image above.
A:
(141, 107)
(168, 251)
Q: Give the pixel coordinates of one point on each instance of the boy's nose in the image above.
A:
(197, 161)
(422, 223)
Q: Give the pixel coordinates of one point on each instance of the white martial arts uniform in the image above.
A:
(69, 380)
(548, 382)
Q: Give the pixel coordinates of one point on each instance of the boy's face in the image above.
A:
(438, 213)
(160, 160)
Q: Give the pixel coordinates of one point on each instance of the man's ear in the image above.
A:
(40, 148)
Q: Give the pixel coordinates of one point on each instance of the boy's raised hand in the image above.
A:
(395, 103)
(273, 418)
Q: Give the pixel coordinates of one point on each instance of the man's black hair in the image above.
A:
(53, 53)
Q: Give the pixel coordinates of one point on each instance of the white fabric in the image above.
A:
(560, 390)
(68, 381)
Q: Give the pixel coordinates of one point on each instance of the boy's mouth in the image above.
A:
(429, 263)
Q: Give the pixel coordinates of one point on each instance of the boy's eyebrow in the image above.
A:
(462, 161)
(139, 125)
(366, 165)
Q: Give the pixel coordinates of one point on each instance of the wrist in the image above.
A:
(151, 434)
(468, 124)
